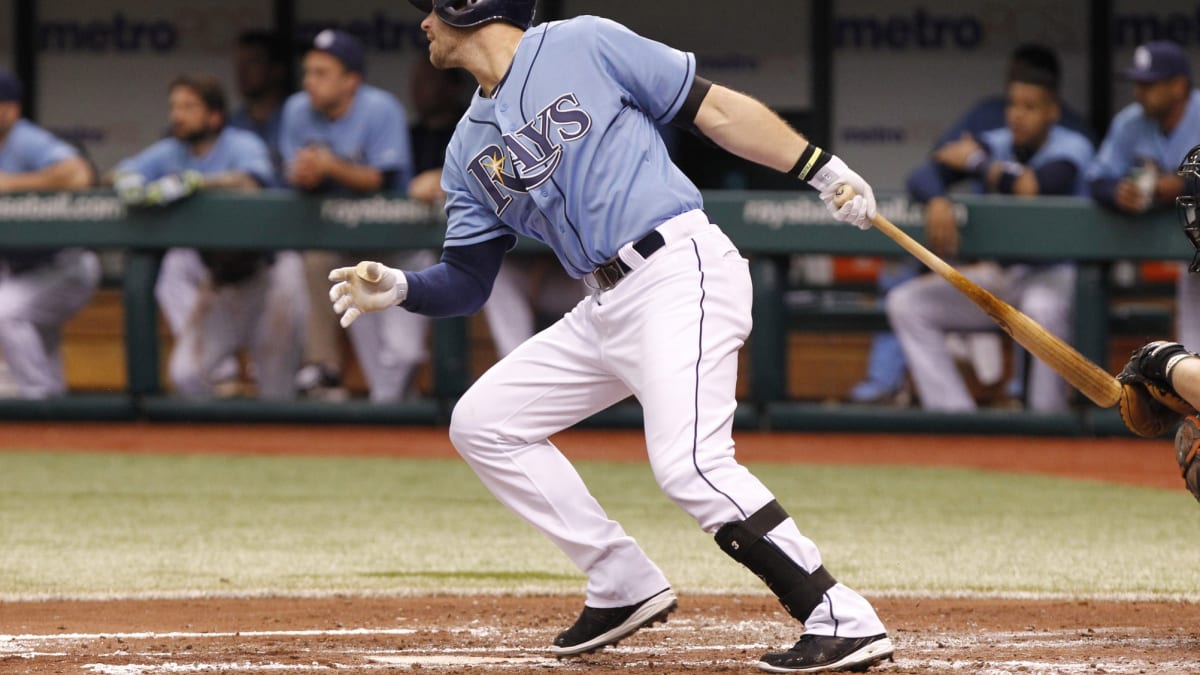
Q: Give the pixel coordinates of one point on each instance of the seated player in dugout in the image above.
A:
(39, 289)
(1031, 155)
(342, 136)
(560, 144)
(217, 302)
(1162, 378)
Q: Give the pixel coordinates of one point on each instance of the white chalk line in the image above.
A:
(500, 658)
(180, 635)
(1187, 596)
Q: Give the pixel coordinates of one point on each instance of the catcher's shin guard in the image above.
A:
(1187, 445)
(746, 542)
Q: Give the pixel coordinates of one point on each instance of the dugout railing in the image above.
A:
(769, 227)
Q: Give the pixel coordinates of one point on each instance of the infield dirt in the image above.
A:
(709, 633)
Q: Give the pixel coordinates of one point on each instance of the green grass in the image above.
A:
(111, 524)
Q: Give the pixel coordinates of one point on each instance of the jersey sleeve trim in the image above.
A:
(497, 230)
(682, 94)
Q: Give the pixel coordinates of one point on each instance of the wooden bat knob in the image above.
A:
(843, 194)
(368, 271)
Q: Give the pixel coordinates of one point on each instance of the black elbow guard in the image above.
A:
(686, 117)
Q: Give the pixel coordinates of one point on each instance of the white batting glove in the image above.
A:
(861, 209)
(367, 287)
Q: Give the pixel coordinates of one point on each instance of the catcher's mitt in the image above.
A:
(1150, 406)
(1187, 442)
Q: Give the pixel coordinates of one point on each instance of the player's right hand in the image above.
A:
(860, 210)
(368, 287)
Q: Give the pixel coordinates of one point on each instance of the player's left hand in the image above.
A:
(1149, 404)
(860, 210)
(957, 154)
(368, 287)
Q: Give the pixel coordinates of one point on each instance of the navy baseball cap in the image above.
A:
(1157, 61)
(10, 87)
(342, 46)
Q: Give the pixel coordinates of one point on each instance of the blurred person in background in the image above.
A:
(342, 136)
(39, 289)
(1134, 169)
(260, 68)
(218, 302)
(886, 367)
(1031, 155)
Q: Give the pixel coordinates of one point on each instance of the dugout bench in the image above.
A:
(769, 227)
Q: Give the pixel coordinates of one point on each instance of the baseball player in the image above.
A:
(260, 67)
(39, 289)
(341, 135)
(560, 144)
(438, 104)
(218, 302)
(1132, 172)
(1030, 155)
(1162, 378)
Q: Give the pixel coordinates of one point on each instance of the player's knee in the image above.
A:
(1046, 307)
(186, 378)
(469, 422)
(900, 305)
(677, 480)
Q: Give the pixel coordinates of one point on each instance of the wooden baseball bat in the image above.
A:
(1096, 383)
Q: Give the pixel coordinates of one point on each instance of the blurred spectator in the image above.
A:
(341, 135)
(1031, 155)
(1135, 168)
(39, 289)
(260, 68)
(886, 367)
(217, 302)
(989, 113)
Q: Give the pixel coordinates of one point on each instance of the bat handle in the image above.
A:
(368, 272)
(843, 194)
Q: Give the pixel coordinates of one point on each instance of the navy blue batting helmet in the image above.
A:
(469, 13)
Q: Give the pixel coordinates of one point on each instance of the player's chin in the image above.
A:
(441, 56)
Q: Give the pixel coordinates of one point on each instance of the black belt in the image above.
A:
(608, 274)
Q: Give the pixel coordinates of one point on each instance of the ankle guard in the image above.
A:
(746, 542)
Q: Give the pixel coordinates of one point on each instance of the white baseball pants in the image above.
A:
(181, 278)
(922, 310)
(669, 334)
(264, 314)
(34, 304)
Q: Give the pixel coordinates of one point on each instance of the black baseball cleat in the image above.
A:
(825, 653)
(597, 628)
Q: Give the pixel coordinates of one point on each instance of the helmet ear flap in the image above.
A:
(1187, 204)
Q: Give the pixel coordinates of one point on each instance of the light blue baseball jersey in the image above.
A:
(1133, 136)
(373, 132)
(234, 150)
(566, 151)
(29, 147)
(1062, 144)
(268, 131)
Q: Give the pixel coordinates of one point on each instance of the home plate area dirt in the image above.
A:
(510, 635)
(708, 634)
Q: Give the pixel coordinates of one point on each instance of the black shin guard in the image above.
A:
(746, 542)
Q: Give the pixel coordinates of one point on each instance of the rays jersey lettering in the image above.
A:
(530, 154)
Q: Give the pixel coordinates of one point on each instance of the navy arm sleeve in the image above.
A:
(1057, 177)
(460, 283)
(930, 180)
(1104, 191)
